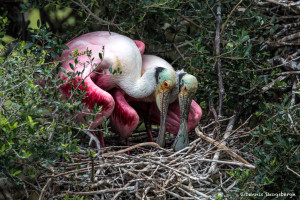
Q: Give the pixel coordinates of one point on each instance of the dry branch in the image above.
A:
(293, 171)
(221, 147)
(229, 128)
(270, 85)
(81, 4)
(100, 191)
(153, 144)
(232, 11)
(188, 20)
(218, 63)
(49, 181)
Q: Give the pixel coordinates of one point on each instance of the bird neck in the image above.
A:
(142, 86)
(175, 90)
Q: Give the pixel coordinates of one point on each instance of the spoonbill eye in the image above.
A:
(166, 84)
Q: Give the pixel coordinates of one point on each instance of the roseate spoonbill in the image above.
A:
(186, 86)
(185, 89)
(119, 53)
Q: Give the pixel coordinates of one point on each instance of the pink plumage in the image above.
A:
(117, 52)
(124, 118)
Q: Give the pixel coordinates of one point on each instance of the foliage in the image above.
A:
(35, 129)
(279, 150)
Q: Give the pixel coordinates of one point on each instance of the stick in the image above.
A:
(96, 17)
(294, 89)
(287, 73)
(178, 52)
(153, 144)
(188, 20)
(218, 63)
(226, 135)
(235, 7)
(221, 147)
(270, 85)
(45, 188)
(96, 166)
(227, 162)
(100, 191)
(293, 171)
(120, 192)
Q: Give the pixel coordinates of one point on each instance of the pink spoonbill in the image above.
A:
(116, 52)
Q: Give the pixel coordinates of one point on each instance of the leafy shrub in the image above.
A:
(35, 125)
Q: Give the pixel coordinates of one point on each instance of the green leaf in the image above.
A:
(31, 123)
(245, 38)
(28, 45)
(30, 120)
(229, 44)
(189, 43)
(71, 65)
(273, 73)
(14, 126)
(16, 173)
(3, 148)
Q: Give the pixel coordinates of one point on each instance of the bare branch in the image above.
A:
(221, 146)
(96, 17)
(188, 20)
(218, 63)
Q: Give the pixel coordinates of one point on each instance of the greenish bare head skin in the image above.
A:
(188, 86)
(165, 80)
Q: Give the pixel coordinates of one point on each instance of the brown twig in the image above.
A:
(293, 171)
(153, 144)
(221, 146)
(270, 85)
(100, 191)
(229, 128)
(96, 17)
(232, 11)
(188, 20)
(218, 63)
(49, 181)
(178, 52)
(294, 89)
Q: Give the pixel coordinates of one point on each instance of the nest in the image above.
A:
(148, 172)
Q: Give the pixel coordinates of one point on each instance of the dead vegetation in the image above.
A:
(151, 172)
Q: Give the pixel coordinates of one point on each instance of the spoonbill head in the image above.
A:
(187, 85)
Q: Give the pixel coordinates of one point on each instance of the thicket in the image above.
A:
(256, 55)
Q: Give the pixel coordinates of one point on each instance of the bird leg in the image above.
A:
(100, 135)
(148, 122)
(127, 144)
(93, 138)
